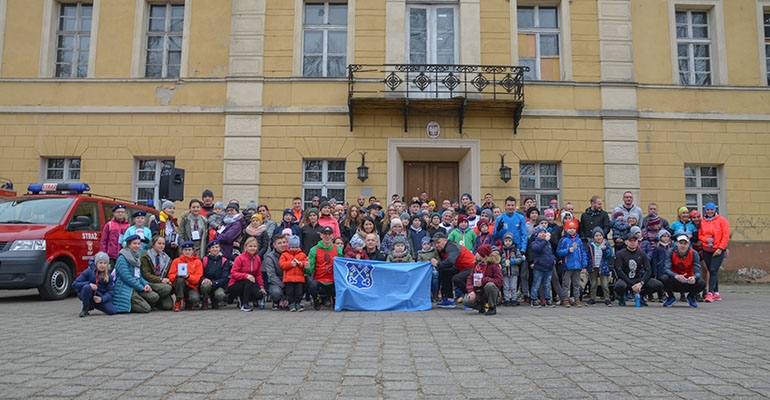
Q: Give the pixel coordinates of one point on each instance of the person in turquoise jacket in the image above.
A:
(132, 291)
(138, 228)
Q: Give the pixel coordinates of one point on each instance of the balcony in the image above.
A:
(435, 88)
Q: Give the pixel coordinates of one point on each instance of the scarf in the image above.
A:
(229, 219)
(252, 231)
(131, 257)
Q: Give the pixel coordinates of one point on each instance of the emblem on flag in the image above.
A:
(359, 275)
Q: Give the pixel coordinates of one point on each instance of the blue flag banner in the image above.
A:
(364, 285)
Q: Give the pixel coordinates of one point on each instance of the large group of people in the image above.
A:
(484, 256)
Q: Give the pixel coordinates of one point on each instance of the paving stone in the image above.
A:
(595, 352)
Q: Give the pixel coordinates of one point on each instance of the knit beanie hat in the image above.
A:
(219, 204)
(597, 229)
(167, 204)
(573, 224)
(399, 239)
(549, 213)
(682, 209)
(396, 222)
(424, 240)
(484, 250)
(461, 218)
(487, 212)
(356, 242)
(653, 220)
(101, 256)
(635, 230)
(293, 242)
(663, 232)
(617, 214)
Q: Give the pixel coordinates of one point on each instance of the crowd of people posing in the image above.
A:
(483, 255)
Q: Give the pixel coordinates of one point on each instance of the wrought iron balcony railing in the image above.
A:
(434, 86)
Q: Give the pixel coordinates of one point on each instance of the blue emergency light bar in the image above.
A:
(58, 188)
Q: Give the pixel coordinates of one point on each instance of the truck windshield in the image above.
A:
(34, 210)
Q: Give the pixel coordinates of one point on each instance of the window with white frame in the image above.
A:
(694, 50)
(539, 181)
(147, 180)
(164, 41)
(62, 169)
(323, 178)
(73, 37)
(766, 19)
(324, 39)
(701, 186)
(538, 41)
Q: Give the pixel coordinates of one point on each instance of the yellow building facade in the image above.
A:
(254, 99)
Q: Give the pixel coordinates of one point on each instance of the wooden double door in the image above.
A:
(439, 179)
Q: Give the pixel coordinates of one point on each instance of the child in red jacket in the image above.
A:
(185, 276)
(293, 262)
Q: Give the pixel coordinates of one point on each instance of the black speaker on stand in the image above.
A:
(172, 185)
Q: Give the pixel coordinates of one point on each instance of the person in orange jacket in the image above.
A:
(185, 275)
(714, 233)
(293, 262)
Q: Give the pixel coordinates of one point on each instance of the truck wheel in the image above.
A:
(57, 283)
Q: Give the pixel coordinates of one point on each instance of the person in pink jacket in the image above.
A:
(714, 233)
(246, 276)
(326, 218)
(112, 234)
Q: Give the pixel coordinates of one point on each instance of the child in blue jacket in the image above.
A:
(95, 288)
(575, 261)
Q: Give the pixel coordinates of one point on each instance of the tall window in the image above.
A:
(62, 170)
(323, 178)
(539, 42)
(325, 39)
(701, 186)
(73, 37)
(693, 44)
(164, 40)
(148, 173)
(767, 44)
(539, 181)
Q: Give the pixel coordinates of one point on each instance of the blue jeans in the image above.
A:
(541, 278)
(434, 283)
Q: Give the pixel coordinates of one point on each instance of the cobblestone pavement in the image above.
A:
(717, 351)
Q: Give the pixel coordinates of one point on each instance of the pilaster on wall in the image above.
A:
(243, 125)
(620, 127)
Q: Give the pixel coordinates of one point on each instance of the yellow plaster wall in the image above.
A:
(370, 32)
(495, 33)
(741, 148)
(108, 145)
(209, 39)
(741, 44)
(288, 138)
(584, 25)
(79, 93)
(650, 24)
(279, 38)
(23, 27)
(299, 93)
(703, 100)
(116, 25)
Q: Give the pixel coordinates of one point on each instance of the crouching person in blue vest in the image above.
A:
(95, 288)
